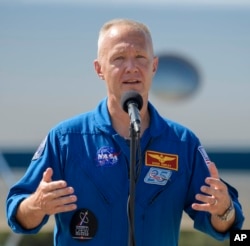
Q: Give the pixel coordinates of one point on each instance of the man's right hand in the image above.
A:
(50, 197)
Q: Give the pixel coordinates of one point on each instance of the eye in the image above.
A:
(140, 57)
(117, 58)
(142, 60)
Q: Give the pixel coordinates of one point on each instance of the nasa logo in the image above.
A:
(107, 157)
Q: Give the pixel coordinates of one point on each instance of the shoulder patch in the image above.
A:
(204, 154)
(40, 149)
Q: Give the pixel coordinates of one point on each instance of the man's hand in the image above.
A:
(214, 198)
(50, 197)
(53, 197)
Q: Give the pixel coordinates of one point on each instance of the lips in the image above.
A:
(131, 82)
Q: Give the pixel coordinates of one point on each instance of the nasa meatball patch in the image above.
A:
(106, 156)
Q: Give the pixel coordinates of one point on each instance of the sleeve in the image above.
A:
(239, 218)
(47, 155)
(12, 205)
(202, 220)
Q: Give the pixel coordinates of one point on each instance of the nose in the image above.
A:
(131, 66)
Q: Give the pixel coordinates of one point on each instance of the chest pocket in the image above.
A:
(157, 182)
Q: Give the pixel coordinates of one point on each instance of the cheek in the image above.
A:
(112, 75)
(114, 71)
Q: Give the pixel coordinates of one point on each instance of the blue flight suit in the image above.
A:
(90, 156)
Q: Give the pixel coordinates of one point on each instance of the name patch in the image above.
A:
(162, 160)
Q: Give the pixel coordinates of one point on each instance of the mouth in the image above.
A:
(129, 82)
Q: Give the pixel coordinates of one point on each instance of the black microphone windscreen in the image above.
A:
(131, 97)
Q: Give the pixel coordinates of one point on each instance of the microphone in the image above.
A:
(131, 103)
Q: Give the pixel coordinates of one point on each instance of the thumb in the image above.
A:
(47, 175)
(213, 170)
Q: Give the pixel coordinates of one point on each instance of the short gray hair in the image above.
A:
(116, 22)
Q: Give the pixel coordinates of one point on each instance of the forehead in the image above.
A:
(125, 30)
(126, 35)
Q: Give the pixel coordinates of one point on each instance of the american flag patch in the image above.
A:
(204, 154)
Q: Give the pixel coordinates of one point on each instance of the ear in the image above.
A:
(155, 64)
(98, 69)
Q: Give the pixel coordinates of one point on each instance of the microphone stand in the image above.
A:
(134, 137)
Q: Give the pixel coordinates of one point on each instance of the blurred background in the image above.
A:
(47, 48)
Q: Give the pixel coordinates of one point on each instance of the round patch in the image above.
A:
(83, 225)
(107, 157)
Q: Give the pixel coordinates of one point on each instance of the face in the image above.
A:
(126, 61)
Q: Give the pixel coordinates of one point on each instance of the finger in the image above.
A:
(63, 208)
(47, 175)
(48, 184)
(201, 207)
(213, 170)
(66, 200)
(216, 184)
(211, 191)
(56, 188)
(61, 192)
(60, 205)
(205, 199)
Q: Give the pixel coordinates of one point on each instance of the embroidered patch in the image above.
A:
(204, 154)
(83, 225)
(162, 160)
(40, 150)
(157, 176)
(106, 157)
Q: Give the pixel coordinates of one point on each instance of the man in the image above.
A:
(80, 173)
